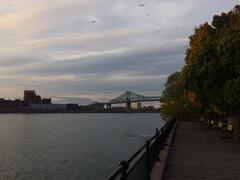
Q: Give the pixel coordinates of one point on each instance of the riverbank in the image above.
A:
(76, 111)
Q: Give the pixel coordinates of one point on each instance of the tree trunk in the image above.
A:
(237, 127)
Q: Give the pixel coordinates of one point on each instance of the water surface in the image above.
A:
(70, 146)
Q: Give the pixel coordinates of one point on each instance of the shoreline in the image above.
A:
(81, 112)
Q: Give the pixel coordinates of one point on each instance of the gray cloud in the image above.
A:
(57, 50)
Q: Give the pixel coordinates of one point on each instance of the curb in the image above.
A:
(158, 169)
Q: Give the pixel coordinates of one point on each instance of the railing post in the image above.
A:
(158, 146)
(125, 166)
(162, 137)
(148, 159)
(157, 133)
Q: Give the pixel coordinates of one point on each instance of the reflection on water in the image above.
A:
(70, 146)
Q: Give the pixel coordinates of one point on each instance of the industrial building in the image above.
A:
(30, 97)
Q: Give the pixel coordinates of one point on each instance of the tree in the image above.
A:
(229, 51)
(195, 72)
(211, 75)
(173, 101)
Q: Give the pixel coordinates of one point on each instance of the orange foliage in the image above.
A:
(201, 33)
(234, 20)
(192, 97)
(204, 30)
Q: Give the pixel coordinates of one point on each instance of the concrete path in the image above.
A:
(197, 153)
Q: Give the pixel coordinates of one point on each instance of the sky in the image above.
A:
(94, 50)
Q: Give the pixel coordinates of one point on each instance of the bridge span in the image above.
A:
(128, 97)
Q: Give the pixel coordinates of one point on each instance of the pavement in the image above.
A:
(199, 153)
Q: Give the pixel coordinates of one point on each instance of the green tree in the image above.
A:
(174, 103)
(212, 70)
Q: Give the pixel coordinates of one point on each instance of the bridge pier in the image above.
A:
(109, 106)
(128, 106)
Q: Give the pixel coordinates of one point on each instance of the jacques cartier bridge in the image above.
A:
(128, 97)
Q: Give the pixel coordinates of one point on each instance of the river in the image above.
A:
(70, 146)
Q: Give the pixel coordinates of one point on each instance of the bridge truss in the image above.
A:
(129, 96)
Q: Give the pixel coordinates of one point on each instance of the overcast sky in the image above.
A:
(55, 48)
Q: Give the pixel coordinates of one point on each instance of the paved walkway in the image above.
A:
(197, 153)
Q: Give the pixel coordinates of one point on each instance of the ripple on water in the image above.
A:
(73, 146)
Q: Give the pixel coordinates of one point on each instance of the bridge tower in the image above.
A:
(128, 101)
(109, 106)
(128, 106)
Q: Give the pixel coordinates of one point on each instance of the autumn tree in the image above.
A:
(174, 103)
(211, 75)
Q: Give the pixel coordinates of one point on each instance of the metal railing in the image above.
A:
(139, 166)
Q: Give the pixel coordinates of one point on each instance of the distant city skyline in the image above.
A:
(88, 50)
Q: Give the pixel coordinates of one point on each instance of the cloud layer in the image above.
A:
(83, 50)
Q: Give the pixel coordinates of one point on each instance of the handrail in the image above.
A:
(160, 137)
(136, 154)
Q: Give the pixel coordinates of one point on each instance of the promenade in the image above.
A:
(198, 152)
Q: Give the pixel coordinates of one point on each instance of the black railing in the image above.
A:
(139, 166)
